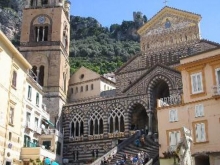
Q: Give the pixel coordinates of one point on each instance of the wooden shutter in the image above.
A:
(196, 110)
(203, 133)
(193, 83)
(176, 115)
(178, 136)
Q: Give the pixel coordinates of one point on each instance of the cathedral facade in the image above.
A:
(94, 126)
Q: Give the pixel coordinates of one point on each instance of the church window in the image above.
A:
(116, 121)
(33, 3)
(96, 123)
(41, 33)
(173, 115)
(167, 24)
(34, 73)
(76, 91)
(174, 137)
(76, 127)
(44, 2)
(87, 87)
(200, 131)
(196, 83)
(14, 79)
(92, 87)
(81, 89)
(41, 76)
(71, 90)
(199, 110)
(64, 82)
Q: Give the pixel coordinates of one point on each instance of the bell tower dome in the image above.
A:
(44, 43)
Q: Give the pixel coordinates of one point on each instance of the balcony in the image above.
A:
(216, 90)
(36, 152)
(29, 126)
(169, 101)
(38, 130)
(52, 132)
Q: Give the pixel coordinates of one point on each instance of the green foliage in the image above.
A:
(98, 48)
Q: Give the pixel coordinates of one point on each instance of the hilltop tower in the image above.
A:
(45, 41)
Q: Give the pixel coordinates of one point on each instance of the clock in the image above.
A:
(41, 19)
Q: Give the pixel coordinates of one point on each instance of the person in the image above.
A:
(137, 142)
(146, 129)
(146, 157)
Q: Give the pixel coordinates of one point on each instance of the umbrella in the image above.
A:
(47, 161)
(54, 163)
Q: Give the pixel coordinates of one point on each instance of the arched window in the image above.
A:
(76, 126)
(33, 3)
(34, 73)
(41, 33)
(14, 79)
(116, 120)
(96, 123)
(44, 2)
(41, 76)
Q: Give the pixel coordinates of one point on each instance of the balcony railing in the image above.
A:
(52, 132)
(216, 90)
(31, 144)
(168, 101)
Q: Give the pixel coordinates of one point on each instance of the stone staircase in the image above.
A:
(150, 147)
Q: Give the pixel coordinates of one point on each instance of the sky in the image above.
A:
(108, 12)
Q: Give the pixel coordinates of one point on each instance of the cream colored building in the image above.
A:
(13, 75)
(196, 109)
(87, 84)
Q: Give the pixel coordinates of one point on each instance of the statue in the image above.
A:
(183, 148)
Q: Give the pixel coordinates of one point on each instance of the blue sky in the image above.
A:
(108, 12)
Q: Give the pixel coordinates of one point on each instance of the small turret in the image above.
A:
(67, 8)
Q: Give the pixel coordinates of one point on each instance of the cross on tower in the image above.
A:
(165, 2)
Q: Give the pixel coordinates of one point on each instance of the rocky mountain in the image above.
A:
(102, 49)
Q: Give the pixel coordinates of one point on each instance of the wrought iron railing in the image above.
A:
(171, 100)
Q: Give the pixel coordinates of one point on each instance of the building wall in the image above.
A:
(12, 97)
(201, 121)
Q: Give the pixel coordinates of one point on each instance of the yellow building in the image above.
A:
(87, 84)
(12, 91)
(198, 110)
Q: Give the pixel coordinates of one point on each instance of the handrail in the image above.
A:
(117, 148)
(150, 162)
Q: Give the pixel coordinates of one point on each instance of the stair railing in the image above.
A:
(150, 162)
(116, 149)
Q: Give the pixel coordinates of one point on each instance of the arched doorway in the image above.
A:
(139, 118)
(160, 90)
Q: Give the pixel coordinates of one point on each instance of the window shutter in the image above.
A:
(193, 83)
(170, 115)
(199, 82)
(201, 110)
(178, 136)
(203, 133)
(218, 77)
(196, 110)
(197, 132)
(173, 139)
(176, 115)
(170, 138)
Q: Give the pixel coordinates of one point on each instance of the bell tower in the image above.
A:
(44, 42)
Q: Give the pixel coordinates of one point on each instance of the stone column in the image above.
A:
(85, 127)
(105, 126)
(150, 115)
(127, 125)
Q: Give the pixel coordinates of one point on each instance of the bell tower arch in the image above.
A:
(45, 37)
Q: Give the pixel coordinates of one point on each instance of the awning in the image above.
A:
(49, 122)
(54, 163)
(47, 161)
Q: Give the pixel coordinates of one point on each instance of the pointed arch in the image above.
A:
(76, 125)
(95, 121)
(116, 118)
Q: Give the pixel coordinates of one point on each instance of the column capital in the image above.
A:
(149, 111)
